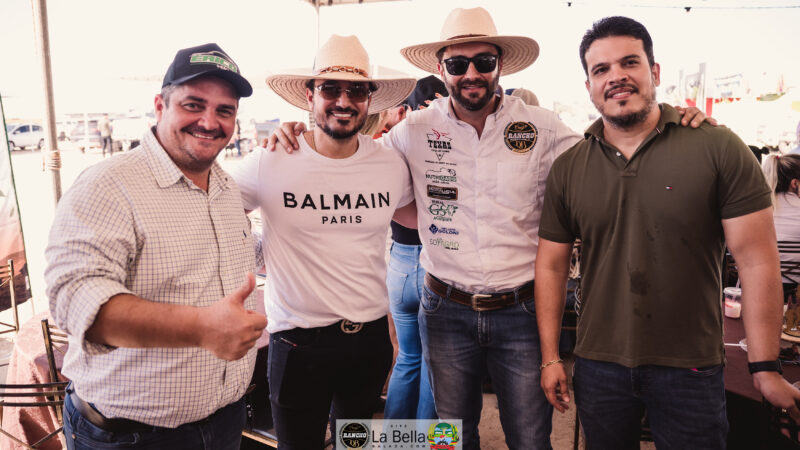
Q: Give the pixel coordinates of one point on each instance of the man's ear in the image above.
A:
(310, 98)
(159, 107)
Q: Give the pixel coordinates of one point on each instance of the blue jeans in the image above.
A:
(409, 395)
(460, 345)
(685, 407)
(222, 431)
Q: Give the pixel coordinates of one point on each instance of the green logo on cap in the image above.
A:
(213, 58)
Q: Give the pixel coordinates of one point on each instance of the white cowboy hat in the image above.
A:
(474, 25)
(344, 58)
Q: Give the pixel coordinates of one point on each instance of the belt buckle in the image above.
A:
(474, 298)
(350, 327)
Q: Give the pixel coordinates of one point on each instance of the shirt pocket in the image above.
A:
(517, 184)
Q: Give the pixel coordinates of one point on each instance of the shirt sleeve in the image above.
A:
(246, 174)
(92, 243)
(742, 188)
(555, 223)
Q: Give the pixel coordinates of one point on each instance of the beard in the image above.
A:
(342, 133)
(630, 119)
(476, 102)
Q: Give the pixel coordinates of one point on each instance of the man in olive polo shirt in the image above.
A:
(654, 204)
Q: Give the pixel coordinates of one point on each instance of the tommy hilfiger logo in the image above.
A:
(439, 143)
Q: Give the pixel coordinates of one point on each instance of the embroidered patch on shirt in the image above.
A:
(520, 137)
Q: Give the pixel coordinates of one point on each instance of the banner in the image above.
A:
(12, 245)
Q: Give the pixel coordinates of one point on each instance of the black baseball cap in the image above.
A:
(208, 59)
(426, 89)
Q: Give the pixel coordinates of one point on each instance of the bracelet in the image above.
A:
(550, 363)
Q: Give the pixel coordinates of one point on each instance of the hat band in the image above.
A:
(348, 69)
(462, 36)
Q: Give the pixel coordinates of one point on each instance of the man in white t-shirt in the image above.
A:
(326, 211)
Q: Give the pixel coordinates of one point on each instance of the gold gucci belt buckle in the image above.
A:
(350, 327)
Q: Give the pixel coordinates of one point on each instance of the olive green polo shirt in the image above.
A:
(652, 236)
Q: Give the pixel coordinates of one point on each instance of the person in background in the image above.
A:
(409, 395)
(783, 177)
(654, 205)
(105, 128)
(796, 150)
(527, 96)
(145, 263)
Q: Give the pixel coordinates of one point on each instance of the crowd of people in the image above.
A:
(151, 253)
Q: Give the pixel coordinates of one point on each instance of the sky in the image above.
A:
(110, 55)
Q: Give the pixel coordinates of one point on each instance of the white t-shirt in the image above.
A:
(479, 199)
(325, 223)
(787, 222)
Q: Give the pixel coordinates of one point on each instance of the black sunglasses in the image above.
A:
(356, 93)
(458, 65)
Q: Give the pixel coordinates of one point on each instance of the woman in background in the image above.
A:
(783, 177)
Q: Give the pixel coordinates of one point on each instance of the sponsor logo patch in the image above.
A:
(439, 143)
(442, 211)
(216, 58)
(434, 229)
(520, 137)
(442, 175)
(442, 192)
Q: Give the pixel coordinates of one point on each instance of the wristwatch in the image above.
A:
(765, 366)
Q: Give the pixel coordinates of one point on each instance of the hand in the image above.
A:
(694, 117)
(228, 329)
(286, 134)
(554, 385)
(778, 392)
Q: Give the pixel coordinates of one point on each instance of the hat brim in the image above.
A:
(240, 84)
(519, 52)
(392, 91)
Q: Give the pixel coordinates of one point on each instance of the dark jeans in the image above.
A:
(685, 407)
(317, 372)
(107, 143)
(221, 431)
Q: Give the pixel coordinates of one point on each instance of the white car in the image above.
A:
(25, 135)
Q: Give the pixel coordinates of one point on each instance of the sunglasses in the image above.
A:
(458, 65)
(356, 93)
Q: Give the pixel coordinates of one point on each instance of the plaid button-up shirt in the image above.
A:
(133, 224)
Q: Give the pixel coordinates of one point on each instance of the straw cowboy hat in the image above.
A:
(474, 25)
(344, 58)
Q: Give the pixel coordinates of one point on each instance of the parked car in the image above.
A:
(25, 135)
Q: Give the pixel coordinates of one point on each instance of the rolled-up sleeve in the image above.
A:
(92, 242)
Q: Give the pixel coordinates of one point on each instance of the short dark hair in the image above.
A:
(167, 91)
(441, 51)
(616, 26)
(310, 84)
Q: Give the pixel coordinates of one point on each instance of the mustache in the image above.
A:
(607, 93)
(337, 109)
(198, 129)
(476, 82)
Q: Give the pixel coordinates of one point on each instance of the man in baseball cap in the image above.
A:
(148, 273)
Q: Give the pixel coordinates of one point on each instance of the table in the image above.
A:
(28, 365)
(746, 414)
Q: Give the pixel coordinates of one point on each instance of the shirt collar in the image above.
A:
(669, 115)
(164, 169)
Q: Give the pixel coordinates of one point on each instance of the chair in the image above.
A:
(7, 278)
(49, 395)
(790, 270)
(54, 340)
(780, 424)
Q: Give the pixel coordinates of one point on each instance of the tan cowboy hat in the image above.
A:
(474, 25)
(344, 58)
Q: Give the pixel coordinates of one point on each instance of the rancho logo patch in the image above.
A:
(520, 137)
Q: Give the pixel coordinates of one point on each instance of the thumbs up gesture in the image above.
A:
(228, 329)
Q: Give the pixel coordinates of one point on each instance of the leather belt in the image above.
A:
(480, 302)
(113, 425)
